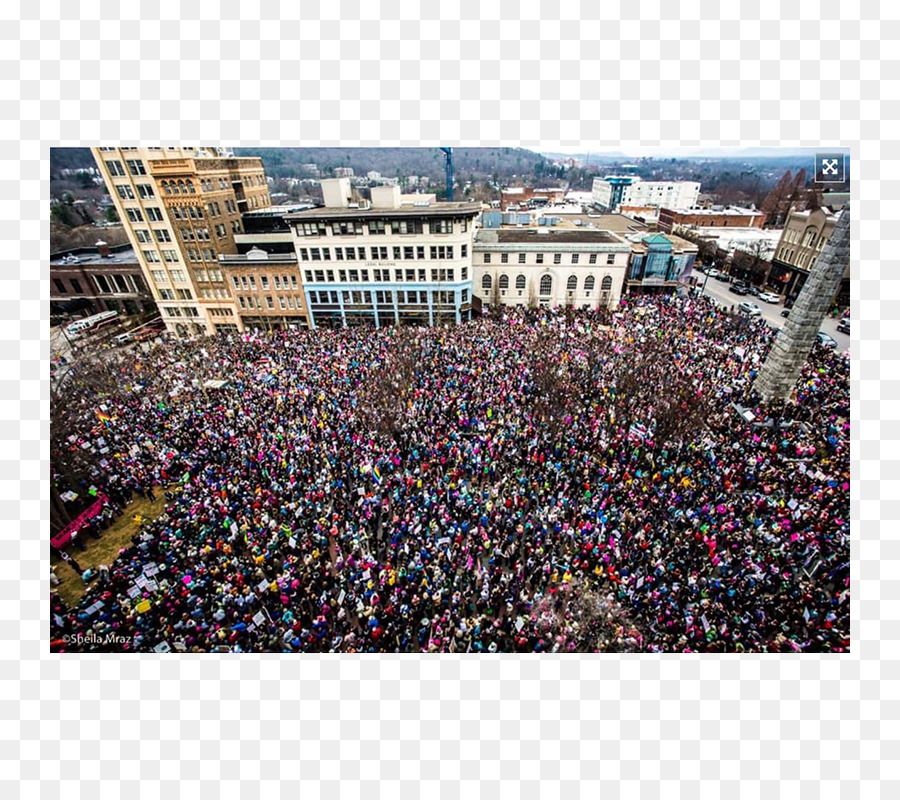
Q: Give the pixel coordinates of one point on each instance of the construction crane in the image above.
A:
(448, 171)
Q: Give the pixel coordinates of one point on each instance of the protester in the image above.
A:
(535, 480)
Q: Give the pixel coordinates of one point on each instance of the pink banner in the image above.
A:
(62, 538)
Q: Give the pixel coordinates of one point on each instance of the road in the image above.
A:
(771, 312)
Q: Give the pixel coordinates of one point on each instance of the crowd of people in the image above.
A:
(533, 480)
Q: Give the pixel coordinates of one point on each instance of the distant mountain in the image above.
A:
(392, 162)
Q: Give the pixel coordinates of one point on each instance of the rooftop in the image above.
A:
(714, 211)
(431, 210)
(278, 211)
(84, 256)
(546, 236)
(638, 240)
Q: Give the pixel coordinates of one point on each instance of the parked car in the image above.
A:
(844, 325)
(750, 309)
(826, 341)
(753, 290)
(713, 273)
(769, 297)
(738, 288)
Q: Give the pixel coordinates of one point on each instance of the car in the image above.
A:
(826, 341)
(769, 297)
(713, 273)
(750, 309)
(785, 312)
(123, 338)
(844, 325)
(753, 290)
(737, 288)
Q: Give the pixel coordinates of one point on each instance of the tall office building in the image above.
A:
(181, 208)
(384, 263)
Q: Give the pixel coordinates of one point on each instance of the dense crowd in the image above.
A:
(535, 480)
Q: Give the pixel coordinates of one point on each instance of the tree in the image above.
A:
(111, 215)
(753, 262)
(62, 214)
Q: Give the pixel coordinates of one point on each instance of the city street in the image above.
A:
(771, 312)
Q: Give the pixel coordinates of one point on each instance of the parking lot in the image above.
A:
(771, 312)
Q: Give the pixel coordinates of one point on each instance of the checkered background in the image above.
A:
(591, 75)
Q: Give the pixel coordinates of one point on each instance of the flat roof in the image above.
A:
(123, 256)
(432, 210)
(278, 211)
(550, 238)
(736, 211)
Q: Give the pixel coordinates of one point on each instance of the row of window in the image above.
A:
(415, 252)
(557, 258)
(178, 294)
(383, 275)
(143, 235)
(160, 277)
(153, 214)
(106, 284)
(248, 282)
(221, 312)
(203, 275)
(378, 227)
(204, 254)
(405, 297)
(284, 301)
(188, 312)
(547, 281)
(135, 167)
(145, 192)
(178, 187)
(152, 257)
(215, 294)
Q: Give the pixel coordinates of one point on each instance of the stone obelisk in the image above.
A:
(782, 367)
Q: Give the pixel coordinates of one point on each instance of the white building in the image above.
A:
(629, 190)
(384, 263)
(731, 239)
(343, 172)
(530, 266)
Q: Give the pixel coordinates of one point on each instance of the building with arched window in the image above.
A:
(550, 267)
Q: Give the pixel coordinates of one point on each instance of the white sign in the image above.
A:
(259, 619)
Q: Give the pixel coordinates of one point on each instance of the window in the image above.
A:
(486, 282)
(611, 258)
(115, 168)
(354, 276)
(521, 258)
(125, 192)
(404, 226)
(143, 236)
(504, 258)
(546, 285)
(315, 254)
(351, 228)
(134, 214)
(136, 167)
(60, 286)
(162, 235)
(441, 226)
(326, 254)
(572, 283)
(520, 281)
(282, 302)
(158, 275)
(465, 273)
(178, 275)
(408, 252)
(151, 255)
(422, 275)
(589, 283)
(166, 294)
(361, 253)
(420, 252)
(592, 259)
(504, 281)
(539, 258)
(350, 254)
(376, 226)
(145, 190)
(154, 214)
(606, 283)
(270, 303)
(574, 258)
(170, 255)
(252, 282)
(184, 294)
(557, 258)
(487, 258)
(294, 279)
(397, 253)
